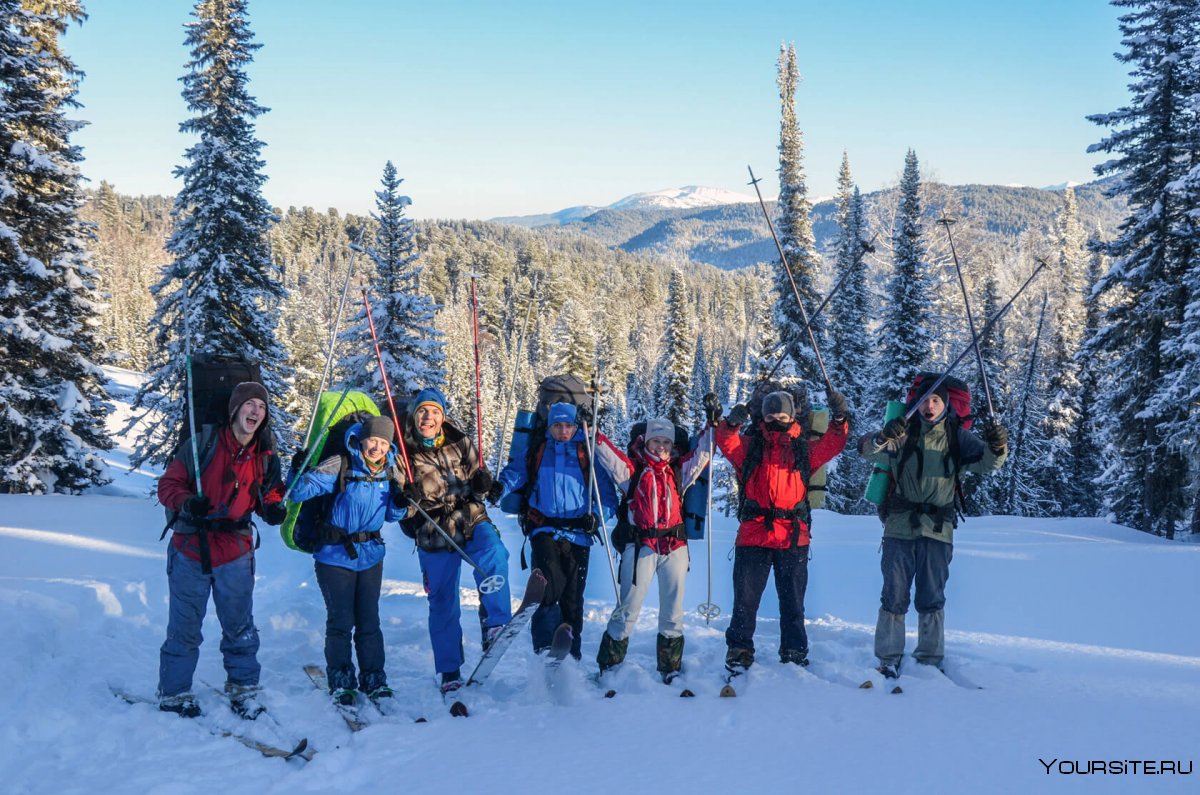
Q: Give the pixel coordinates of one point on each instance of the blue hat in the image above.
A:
(429, 394)
(561, 412)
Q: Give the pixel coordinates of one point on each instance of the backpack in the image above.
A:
(529, 430)
(958, 415)
(815, 427)
(624, 533)
(213, 380)
(299, 529)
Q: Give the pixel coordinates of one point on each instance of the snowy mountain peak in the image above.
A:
(682, 198)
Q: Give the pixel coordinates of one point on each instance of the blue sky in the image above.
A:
(509, 108)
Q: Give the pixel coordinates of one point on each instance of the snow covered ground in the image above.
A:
(1082, 635)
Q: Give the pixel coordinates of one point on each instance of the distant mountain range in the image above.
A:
(726, 229)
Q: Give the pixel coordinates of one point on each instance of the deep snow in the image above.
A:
(1082, 634)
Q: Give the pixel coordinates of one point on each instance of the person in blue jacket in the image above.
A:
(556, 481)
(350, 571)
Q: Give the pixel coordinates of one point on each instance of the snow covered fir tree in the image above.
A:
(52, 395)
(1151, 379)
(410, 345)
(222, 273)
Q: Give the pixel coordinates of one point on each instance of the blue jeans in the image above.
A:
(924, 560)
(441, 572)
(232, 589)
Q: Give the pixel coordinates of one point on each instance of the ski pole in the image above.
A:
(590, 435)
(191, 401)
(312, 447)
(708, 609)
(490, 583)
(512, 387)
(1016, 462)
(387, 388)
(987, 390)
(812, 338)
(355, 247)
(986, 328)
(478, 389)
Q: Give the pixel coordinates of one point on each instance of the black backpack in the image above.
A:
(313, 529)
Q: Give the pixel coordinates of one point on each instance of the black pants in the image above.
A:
(352, 606)
(566, 568)
(751, 567)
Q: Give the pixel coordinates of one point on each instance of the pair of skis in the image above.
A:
(299, 750)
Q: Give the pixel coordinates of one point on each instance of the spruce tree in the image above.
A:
(219, 238)
(1156, 140)
(1067, 487)
(795, 230)
(903, 338)
(678, 357)
(1091, 436)
(411, 347)
(52, 396)
(849, 342)
(986, 494)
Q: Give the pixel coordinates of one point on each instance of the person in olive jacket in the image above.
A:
(926, 455)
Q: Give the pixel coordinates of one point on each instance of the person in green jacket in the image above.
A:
(926, 455)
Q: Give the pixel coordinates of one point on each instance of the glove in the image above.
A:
(196, 507)
(274, 513)
(712, 408)
(481, 483)
(591, 524)
(495, 492)
(273, 495)
(996, 436)
(738, 415)
(396, 495)
(839, 409)
(895, 430)
(412, 491)
(298, 459)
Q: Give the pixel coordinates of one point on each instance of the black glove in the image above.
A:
(481, 483)
(196, 507)
(895, 430)
(495, 492)
(591, 524)
(712, 408)
(738, 415)
(274, 513)
(396, 495)
(412, 491)
(996, 436)
(298, 459)
(839, 408)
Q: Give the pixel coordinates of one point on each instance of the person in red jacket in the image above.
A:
(773, 461)
(212, 548)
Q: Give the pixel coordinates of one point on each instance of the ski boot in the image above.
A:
(184, 705)
(794, 656)
(243, 700)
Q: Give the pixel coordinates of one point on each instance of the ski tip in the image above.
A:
(459, 710)
(420, 720)
(867, 685)
(728, 692)
(685, 693)
(897, 690)
(610, 694)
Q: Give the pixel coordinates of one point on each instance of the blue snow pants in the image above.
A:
(232, 589)
(441, 572)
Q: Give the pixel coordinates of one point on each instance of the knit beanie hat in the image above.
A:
(429, 395)
(779, 403)
(660, 428)
(247, 390)
(561, 412)
(379, 427)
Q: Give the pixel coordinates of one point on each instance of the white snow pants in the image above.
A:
(672, 572)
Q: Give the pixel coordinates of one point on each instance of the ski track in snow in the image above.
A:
(1082, 634)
